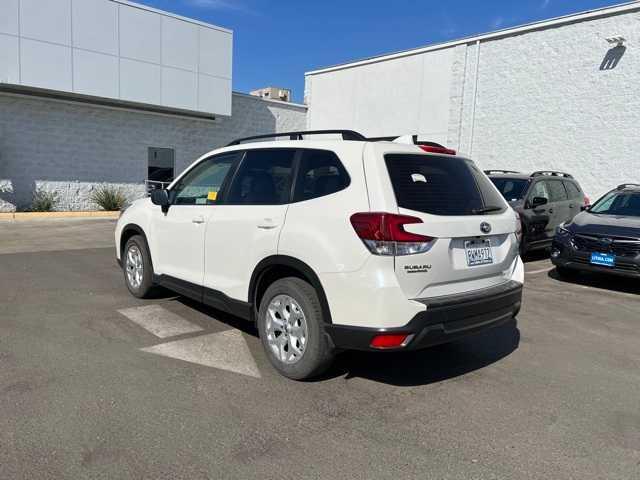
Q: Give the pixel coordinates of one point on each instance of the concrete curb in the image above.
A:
(20, 216)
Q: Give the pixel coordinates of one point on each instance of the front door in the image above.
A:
(540, 229)
(179, 231)
(246, 228)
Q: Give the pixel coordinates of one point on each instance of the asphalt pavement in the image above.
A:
(95, 383)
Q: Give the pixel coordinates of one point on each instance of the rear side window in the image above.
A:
(573, 190)
(321, 173)
(441, 185)
(264, 178)
(557, 191)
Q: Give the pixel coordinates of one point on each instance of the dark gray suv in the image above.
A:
(544, 200)
(604, 238)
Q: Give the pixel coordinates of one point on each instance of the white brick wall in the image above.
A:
(69, 148)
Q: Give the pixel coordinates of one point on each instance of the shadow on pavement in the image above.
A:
(599, 280)
(433, 364)
(536, 256)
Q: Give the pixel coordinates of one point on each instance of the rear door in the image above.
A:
(560, 204)
(472, 225)
(246, 227)
(576, 198)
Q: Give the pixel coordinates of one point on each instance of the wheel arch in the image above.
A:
(129, 231)
(275, 267)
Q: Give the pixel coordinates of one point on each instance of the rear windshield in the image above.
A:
(512, 189)
(441, 185)
(618, 203)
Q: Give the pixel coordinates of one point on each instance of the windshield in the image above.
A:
(512, 189)
(441, 185)
(618, 203)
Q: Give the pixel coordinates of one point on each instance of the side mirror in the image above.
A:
(160, 197)
(585, 208)
(538, 202)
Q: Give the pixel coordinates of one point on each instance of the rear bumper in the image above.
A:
(446, 319)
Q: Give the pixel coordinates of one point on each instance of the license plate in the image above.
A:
(478, 252)
(604, 259)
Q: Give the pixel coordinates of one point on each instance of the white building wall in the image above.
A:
(71, 148)
(541, 99)
(117, 50)
(386, 98)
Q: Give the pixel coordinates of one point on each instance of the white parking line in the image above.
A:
(159, 321)
(227, 350)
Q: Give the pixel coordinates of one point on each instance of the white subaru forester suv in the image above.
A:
(332, 244)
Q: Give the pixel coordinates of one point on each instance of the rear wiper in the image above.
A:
(488, 209)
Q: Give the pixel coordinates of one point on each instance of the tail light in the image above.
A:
(390, 340)
(434, 149)
(383, 234)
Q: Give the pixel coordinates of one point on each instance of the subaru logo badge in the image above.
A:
(485, 227)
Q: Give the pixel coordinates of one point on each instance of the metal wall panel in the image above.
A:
(9, 16)
(179, 44)
(9, 66)
(139, 34)
(140, 82)
(45, 65)
(117, 50)
(49, 21)
(216, 51)
(95, 26)
(95, 74)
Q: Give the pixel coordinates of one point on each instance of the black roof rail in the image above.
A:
(413, 137)
(551, 173)
(498, 172)
(627, 185)
(346, 135)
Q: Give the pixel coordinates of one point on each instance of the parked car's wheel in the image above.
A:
(292, 329)
(137, 267)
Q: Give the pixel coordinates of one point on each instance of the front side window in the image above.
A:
(321, 173)
(442, 185)
(618, 203)
(541, 190)
(264, 178)
(202, 185)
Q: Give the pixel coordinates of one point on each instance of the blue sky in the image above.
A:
(275, 42)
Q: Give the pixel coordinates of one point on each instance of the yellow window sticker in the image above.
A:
(212, 196)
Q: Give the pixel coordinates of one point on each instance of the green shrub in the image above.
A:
(43, 201)
(109, 198)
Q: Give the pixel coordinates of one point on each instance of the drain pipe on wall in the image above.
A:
(475, 98)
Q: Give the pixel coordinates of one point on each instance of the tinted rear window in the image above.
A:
(441, 185)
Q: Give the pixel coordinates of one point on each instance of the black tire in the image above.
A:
(318, 354)
(144, 289)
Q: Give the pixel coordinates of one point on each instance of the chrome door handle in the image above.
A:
(198, 220)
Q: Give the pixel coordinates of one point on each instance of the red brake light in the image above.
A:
(386, 227)
(383, 233)
(434, 149)
(389, 340)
